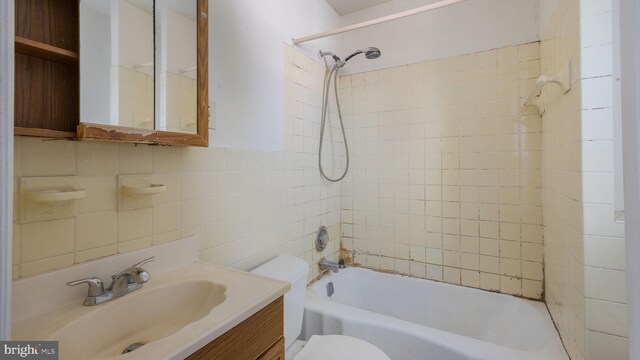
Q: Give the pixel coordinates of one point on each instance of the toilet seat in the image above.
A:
(339, 347)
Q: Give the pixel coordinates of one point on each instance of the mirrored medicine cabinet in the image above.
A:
(113, 70)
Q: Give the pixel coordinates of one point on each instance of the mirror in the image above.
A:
(117, 58)
(176, 55)
(144, 71)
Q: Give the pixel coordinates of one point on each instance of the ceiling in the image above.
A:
(344, 7)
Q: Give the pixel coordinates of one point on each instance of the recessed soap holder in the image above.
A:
(136, 191)
(141, 191)
(55, 195)
(49, 198)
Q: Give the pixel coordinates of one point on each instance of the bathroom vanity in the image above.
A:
(187, 310)
(258, 337)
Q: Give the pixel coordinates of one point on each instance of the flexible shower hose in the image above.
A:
(329, 74)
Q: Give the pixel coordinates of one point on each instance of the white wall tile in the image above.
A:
(94, 158)
(604, 346)
(95, 230)
(45, 265)
(605, 252)
(47, 238)
(607, 317)
(101, 193)
(97, 253)
(449, 138)
(585, 286)
(597, 93)
(47, 158)
(134, 224)
(596, 28)
(134, 159)
(605, 284)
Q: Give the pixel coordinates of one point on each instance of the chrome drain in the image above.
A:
(132, 347)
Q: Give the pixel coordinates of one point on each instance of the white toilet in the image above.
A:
(337, 347)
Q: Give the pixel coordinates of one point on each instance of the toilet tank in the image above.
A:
(294, 270)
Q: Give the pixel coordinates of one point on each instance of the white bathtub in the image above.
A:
(414, 319)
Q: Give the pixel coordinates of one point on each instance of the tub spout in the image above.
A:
(328, 265)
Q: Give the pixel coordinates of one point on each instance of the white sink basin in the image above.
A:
(139, 317)
(173, 315)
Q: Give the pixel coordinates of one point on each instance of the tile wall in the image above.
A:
(605, 287)
(133, 92)
(244, 206)
(446, 180)
(585, 279)
(564, 271)
(180, 101)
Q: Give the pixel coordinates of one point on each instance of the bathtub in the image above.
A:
(414, 319)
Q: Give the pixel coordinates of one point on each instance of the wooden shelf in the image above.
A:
(22, 131)
(45, 51)
(47, 71)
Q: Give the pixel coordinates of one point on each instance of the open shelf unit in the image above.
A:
(47, 72)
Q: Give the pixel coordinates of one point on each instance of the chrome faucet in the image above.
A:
(129, 280)
(328, 265)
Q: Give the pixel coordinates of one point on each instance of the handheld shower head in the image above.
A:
(370, 53)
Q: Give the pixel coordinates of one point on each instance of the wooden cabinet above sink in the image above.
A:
(49, 86)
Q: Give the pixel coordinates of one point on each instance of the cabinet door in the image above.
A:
(249, 340)
(275, 353)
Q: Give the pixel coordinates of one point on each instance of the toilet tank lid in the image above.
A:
(285, 268)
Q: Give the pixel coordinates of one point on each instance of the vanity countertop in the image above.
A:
(102, 330)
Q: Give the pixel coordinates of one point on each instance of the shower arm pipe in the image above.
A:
(377, 21)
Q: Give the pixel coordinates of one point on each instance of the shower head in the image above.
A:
(370, 53)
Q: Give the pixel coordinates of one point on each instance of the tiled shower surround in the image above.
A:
(585, 267)
(445, 181)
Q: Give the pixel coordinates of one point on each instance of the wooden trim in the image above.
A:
(89, 131)
(203, 70)
(250, 339)
(7, 29)
(99, 132)
(22, 131)
(45, 51)
(181, 139)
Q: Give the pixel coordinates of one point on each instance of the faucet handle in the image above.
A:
(96, 287)
(145, 261)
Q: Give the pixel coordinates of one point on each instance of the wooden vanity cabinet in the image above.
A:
(275, 353)
(260, 337)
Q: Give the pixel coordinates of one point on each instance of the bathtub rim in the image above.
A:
(553, 344)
